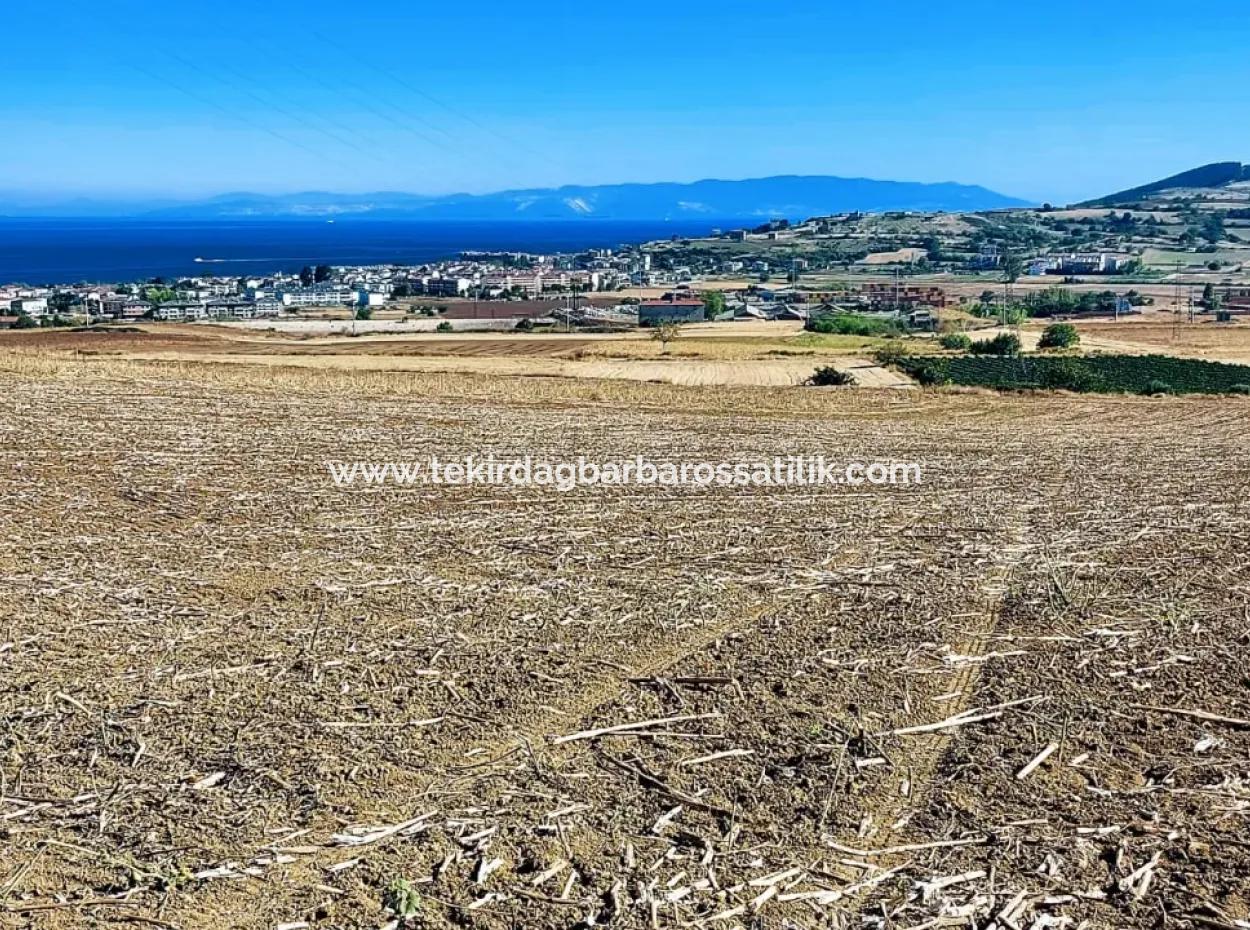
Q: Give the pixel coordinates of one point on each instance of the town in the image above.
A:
(904, 266)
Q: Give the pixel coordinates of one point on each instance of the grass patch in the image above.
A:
(832, 342)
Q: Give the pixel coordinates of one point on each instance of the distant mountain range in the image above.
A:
(789, 197)
(1217, 174)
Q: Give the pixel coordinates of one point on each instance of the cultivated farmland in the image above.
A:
(234, 695)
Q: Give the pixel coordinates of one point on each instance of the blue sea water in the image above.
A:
(64, 251)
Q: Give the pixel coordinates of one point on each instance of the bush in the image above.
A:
(364, 313)
(443, 327)
(892, 354)
(849, 324)
(828, 376)
(1069, 374)
(525, 325)
(961, 342)
(1007, 344)
(24, 321)
(1059, 336)
(1135, 374)
(1240, 389)
(931, 374)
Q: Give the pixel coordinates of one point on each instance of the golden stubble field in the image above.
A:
(775, 354)
(233, 694)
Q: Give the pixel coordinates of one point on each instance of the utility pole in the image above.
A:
(1176, 302)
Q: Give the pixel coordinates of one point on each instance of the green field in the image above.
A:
(1168, 259)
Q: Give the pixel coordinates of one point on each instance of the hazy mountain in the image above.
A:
(1218, 174)
(792, 197)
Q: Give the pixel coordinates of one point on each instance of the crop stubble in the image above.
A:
(224, 677)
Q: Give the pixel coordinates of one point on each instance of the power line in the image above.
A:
(362, 99)
(206, 101)
(299, 118)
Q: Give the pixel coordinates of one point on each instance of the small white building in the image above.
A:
(33, 307)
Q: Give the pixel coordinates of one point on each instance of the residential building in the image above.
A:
(1084, 263)
(318, 295)
(34, 307)
(121, 307)
(181, 311)
(884, 293)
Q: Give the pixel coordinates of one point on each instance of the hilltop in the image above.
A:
(1215, 176)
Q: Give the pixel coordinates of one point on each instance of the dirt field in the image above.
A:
(752, 353)
(235, 695)
(1217, 341)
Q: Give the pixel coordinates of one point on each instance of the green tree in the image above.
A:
(1007, 344)
(1059, 336)
(307, 276)
(1212, 228)
(957, 341)
(713, 303)
(63, 302)
(322, 273)
(158, 295)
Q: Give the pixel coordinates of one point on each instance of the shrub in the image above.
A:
(1240, 389)
(1068, 374)
(364, 313)
(1007, 344)
(1059, 336)
(961, 342)
(849, 324)
(931, 374)
(892, 354)
(402, 899)
(444, 327)
(24, 321)
(1155, 386)
(827, 376)
(525, 325)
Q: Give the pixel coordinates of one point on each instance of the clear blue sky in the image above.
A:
(185, 97)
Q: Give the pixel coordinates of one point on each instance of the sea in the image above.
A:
(67, 251)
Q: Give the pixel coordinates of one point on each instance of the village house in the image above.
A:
(33, 307)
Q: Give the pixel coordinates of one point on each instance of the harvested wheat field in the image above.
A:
(236, 695)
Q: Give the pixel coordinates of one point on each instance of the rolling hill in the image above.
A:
(1217, 174)
(791, 197)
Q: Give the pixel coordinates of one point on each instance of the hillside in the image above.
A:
(1217, 174)
(791, 197)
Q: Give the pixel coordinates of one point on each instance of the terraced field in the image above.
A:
(236, 695)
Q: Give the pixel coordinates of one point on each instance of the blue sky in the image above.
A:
(1053, 101)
